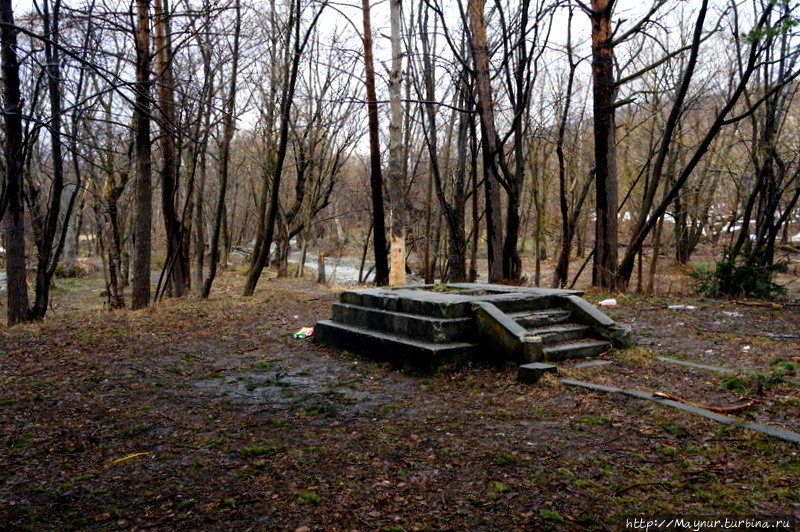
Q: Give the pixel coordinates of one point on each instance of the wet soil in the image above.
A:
(208, 415)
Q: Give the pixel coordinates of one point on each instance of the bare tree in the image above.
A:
(376, 178)
(397, 272)
(143, 202)
(295, 43)
(228, 127)
(491, 172)
(12, 205)
(175, 264)
(759, 41)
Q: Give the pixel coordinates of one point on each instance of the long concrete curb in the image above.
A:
(695, 365)
(782, 434)
(718, 369)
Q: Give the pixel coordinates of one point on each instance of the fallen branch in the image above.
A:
(718, 410)
(759, 304)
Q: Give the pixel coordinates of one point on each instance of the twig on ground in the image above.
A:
(718, 410)
(759, 304)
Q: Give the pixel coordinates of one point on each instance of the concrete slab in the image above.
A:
(775, 432)
(695, 365)
(567, 351)
(531, 373)
(592, 364)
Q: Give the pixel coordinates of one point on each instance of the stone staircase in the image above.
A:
(562, 339)
(421, 328)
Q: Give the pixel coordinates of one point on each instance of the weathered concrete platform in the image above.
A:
(422, 327)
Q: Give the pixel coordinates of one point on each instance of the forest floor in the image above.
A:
(209, 415)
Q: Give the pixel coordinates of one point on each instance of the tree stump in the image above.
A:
(320, 266)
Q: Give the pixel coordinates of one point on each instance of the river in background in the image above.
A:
(337, 270)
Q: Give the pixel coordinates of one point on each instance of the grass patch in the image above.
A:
(497, 488)
(501, 458)
(267, 447)
(307, 497)
(751, 382)
(550, 515)
(596, 420)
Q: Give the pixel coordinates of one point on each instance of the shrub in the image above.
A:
(737, 278)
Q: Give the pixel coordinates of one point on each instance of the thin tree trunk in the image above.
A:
(397, 271)
(453, 212)
(143, 203)
(473, 256)
(480, 56)
(111, 193)
(561, 274)
(169, 168)
(199, 216)
(228, 127)
(375, 179)
(287, 97)
(45, 243)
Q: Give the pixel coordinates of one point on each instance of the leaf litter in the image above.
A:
(243, 427)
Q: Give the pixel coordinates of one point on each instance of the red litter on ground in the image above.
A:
(304, 332)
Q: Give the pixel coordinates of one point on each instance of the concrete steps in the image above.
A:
(416, 326)
(562, 333)
(398, 350)
(540, 318)
(561, 339)
(570, 350)
(422, 327)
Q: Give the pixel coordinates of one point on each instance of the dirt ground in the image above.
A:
(208, 415)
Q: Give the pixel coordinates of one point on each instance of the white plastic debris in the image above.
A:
(746, 348)
(681, 307)
(608, 303)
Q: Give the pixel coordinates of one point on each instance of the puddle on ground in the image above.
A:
(322, 388)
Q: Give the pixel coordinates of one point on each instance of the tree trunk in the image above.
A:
(44, 244)
(473, 253)
(375, 179)
(480, 56)
(70, 255)
(605, 154)
(112, 190)
(453, 212)
(287, 97)
(397, 271)
(143, 204)
(12, 204)
(561, 274)
(175, 265)
(228, 126)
